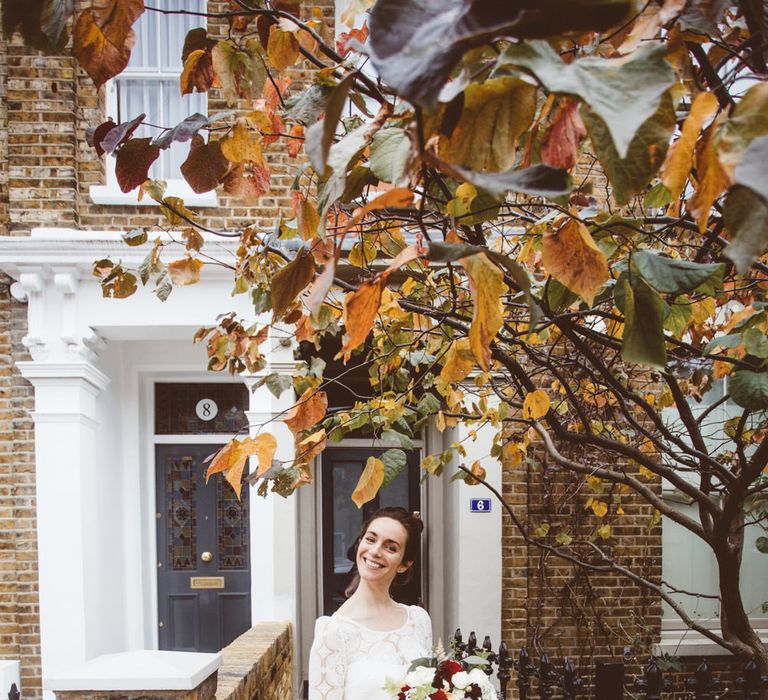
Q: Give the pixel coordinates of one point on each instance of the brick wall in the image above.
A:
(46, 105)
(19, 619)
(258, 665)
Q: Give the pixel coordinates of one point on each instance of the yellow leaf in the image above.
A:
(370, 482)
(309, 410)
(703, 309)
(712, 179)
(282, 48)
(619, 511)
(486, 283)
(440, 421)
(459, 361)
(573, 259)
(360, 309)
(604, 531)
(311, 446)
(185, 271)
(599, 508)
(242, 145)
(362, 254)
(680, 156)
(495, 114)
(646, 473)
(477, 470)
(536, 405)
(721, 369)
(232, 458)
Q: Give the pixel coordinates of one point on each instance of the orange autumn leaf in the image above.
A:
(572, 258)
(369, 483)
(459, 361)
(398, 197)
(295, 140)
(197, 75)
(712, 179)
(360, 309)
(486, 284)
(233, 457)
(103, 38)
(185, 271)
(680, 156)
(309, 410)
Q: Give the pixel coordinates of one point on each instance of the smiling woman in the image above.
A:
(371, 637)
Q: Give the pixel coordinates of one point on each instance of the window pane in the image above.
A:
(174, 32)
(144, 54)
(689, 565)
(200, 408)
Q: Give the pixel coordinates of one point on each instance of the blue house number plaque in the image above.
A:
(479, 505)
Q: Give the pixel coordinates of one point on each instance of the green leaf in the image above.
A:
(320, 135)
(308, 105)
(748, 120)
(761, 543)
(394, 463)
(538, 180)
(340, 157)
(671, 275)
(646, 152)
(755, 343)
(414, 44)
(606, 85)
(658, 196)
(559, 297)
(749, 389)
(751, 172)
(679, 317)
(428, 404)
(390, 154)
(493, 117)
(393, 436)
(643, 340)
(135, 237)
(746, 218)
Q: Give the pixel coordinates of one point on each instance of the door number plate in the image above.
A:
(197, 582)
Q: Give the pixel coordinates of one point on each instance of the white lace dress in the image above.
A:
(350, 661)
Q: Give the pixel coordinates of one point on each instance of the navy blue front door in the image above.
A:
(203, 553)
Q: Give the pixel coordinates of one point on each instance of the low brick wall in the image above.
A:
(258, 665)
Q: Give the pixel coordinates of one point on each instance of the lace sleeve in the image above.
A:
(327, 662)
(424, 626)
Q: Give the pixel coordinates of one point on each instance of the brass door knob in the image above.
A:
(206, 556)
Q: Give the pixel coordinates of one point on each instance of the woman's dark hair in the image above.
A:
(413, 529)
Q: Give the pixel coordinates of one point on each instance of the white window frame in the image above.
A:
(676, 638)
(110, 193)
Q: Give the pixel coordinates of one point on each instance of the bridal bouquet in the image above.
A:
(446, 681)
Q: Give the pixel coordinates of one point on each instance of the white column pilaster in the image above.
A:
(66, 425)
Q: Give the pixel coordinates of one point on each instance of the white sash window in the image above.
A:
(150, 85)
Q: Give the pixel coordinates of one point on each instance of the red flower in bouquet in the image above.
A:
(438, 695)
(403, 691)
(445, 671)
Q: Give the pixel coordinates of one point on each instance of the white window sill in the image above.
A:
(686, 642)
(111, 194)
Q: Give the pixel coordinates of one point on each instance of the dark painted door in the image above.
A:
(342, 520)
(203, 556)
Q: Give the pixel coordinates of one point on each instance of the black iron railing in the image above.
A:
(542, 679)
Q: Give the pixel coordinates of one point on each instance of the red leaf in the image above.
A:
(99, 57)
(205, 165)
(248, 181)
(564, 137)
(133, 161)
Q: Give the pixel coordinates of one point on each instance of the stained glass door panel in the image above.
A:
(203, 566)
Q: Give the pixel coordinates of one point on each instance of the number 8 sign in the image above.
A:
(206, 409)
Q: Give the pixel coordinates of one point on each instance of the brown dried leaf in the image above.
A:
(291, 280)
(205, 165)
(561, 143)
(133, 161)
(360, 309)
(309, 410)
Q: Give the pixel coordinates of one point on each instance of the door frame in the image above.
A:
(309, 528)
(146, 378)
